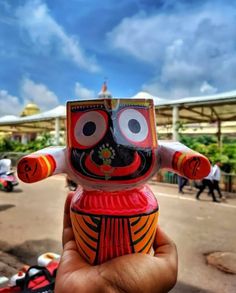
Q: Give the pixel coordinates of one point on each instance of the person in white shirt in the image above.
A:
(207, 182)
(5, 166)
(216, 178)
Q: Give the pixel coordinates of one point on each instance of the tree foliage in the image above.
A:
(207, 145)
(8, 145)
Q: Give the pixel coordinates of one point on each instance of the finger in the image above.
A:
(165, 250)
(161, 238)
(72, 258)
(67, 234)
(70, 263)
(162, 243)
(67, 221)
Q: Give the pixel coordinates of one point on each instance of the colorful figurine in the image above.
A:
(112, 151)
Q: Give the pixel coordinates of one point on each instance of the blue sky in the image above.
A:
(55, 50)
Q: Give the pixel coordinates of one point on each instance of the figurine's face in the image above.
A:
(112, 141)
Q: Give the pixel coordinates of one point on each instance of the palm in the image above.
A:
(128, 273)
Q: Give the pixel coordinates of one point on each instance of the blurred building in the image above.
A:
(228, 128)
(25, 136)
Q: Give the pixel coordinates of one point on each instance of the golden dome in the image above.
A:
(30, 109)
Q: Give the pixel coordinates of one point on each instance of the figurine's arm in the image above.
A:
(178, 158)
(42, 164)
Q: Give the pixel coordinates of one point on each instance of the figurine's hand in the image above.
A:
(35, 167)
(176, 157)
(191, 165)
(129, 273)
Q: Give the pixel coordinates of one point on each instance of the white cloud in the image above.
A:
(207, 89)
(185, 47)
(39, 94)
(30, 92)
(47, 34)
(9, 105)
(139, 36)
(83, 93)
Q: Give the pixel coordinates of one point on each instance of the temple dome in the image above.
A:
(30, 109)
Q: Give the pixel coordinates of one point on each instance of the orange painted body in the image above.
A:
(107, 225)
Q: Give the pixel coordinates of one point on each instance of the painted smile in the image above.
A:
(108, 170)
(119, 165)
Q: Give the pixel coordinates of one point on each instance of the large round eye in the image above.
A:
(133, 125)
(90, 128)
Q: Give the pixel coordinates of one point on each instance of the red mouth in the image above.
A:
(102, 170)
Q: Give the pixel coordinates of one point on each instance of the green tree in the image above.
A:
(8, 145)
(206, 145)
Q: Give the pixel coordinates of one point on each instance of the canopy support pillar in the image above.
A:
(175, 119)
(57, 131)
(24, 138)
(219, 136)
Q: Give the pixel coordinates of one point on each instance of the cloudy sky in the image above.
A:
(55, 50)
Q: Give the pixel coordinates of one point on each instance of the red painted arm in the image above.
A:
(179, 159)
(42, 164)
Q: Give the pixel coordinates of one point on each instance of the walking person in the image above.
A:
(207, 182)
(216, 178)
(182, 181)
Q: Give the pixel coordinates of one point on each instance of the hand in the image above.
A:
(129, 273)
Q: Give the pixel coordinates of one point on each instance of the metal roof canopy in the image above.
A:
(199, 109)
(215, 108)
(46, 121)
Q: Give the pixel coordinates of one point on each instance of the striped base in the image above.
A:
(100, 238)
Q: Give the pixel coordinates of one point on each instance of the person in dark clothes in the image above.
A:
(207, 182)
(182, 181)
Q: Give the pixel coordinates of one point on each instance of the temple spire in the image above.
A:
(104, 87)
(104, 93)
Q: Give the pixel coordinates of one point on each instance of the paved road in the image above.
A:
(31, 223)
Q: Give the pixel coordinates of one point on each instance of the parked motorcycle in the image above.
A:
(7, 177)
